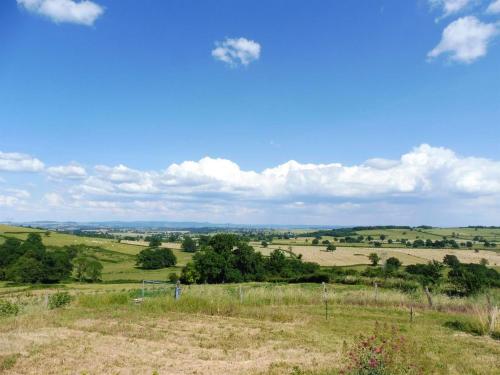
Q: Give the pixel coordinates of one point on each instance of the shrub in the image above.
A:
(173, 277)
(392, 264)
(312, 278)
(8, 308)
(374, 258)
(385, 352)
(155, 258)
(59, 299)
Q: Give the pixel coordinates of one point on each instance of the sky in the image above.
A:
(327, 112)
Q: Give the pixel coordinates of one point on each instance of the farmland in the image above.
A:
(253, 328)
(272, 330)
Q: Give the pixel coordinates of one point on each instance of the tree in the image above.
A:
(188, 244)
(374, 258)
(451, 260)
(189, 274)
(429, 274)
(315, 241)
(331, 247)
(470, 279)
(155, 241)
(383, 237)
(26, 270)
(264, 244)
(484, 262)
(276, 262)
(156, 258)
(88, 268)
(392, 264)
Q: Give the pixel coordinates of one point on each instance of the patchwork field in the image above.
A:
(346, 256)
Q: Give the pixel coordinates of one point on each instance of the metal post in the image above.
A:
(241, 295)
(376, 291)
(178, 290)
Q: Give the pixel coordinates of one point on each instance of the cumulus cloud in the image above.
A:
(424, 170)
(16, 162)
(80, 12)
(237, 51)
(450, 7)
(465, 40)
(53, 199)
(425, 181)
(494, 7)
(71, 171)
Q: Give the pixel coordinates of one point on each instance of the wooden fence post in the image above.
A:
(429, 296)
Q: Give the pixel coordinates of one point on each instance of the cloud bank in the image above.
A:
(417, 187)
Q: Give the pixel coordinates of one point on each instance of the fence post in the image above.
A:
(178, 290)
(143, 285)
(376, 290)
(411, 314)
(429, 296)
(241, 295)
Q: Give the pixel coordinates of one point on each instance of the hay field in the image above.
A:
(346, 256)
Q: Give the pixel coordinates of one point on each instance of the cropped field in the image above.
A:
(273, 329)
(346, 256)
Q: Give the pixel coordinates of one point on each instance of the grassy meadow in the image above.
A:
(213, 329)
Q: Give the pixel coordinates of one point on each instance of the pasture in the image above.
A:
(272, 329)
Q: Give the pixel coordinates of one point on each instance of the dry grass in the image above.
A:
(209, 331)
(346, 256)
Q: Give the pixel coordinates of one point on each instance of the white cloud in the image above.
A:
(237, 51)
(425, 183)
(16, 162)
(494, 7)
(54, 199)
(8, 201)
(424, 171)
(465, 39)
(450, 7)
(71, 171)
(80, 12)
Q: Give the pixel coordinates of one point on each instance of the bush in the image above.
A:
(385, 352)
(59, 299)
(312, 278)
(173, 277)
(8, 308)
(155, 258)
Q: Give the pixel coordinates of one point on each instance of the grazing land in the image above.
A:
(272, 329)
(255, 328)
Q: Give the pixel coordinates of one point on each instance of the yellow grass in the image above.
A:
(346, 256)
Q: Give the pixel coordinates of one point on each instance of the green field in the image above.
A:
(118, 259)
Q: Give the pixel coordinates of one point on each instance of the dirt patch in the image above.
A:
(200, 345)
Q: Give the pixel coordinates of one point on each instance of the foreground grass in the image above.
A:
(267, 329)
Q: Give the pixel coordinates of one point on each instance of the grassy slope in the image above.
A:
(209, 331)
(118, 259)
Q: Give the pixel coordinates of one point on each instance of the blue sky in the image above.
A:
(143, 85)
